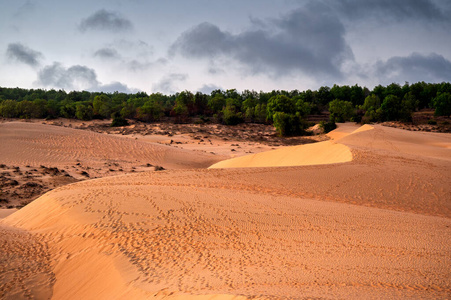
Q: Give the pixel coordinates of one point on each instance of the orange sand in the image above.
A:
(34, 144)
(376, 227)
(322, 153)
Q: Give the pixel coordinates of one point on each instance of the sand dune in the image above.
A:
(327, 152)
(322, 153)
(375, 227)
(38, 144)
(345, 138)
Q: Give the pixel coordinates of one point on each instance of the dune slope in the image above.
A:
(35, 144)
(326, 152)
(322, 153)
(375, 227)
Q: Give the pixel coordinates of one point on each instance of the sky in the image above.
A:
(201, 45)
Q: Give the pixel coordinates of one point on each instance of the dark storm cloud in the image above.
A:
(24, 54)
(105, 20)
(415, 67)
(107, 53)
(398, 10)
(74, 77)
(309, 39)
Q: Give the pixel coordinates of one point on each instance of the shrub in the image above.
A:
(288, 124)
(118, 120)
(327, 126)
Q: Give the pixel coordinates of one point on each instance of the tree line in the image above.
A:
(286, 110)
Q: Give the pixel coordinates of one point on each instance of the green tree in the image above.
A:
(230, 113)
(340, 111)
(83, 111)
(231, 116)
(302, 107)
(128, 110)
(40, 108)
(288, 124)
(371, 106)
(280, 103)
(151, 111)
(391, 108)
(201, 104)
(281, 110)
(53, 108)
(260, 113)
(184, 105)
(442, 104)
(8, 109)
(217, 102)
(102, 106)
(25, 109)
(68, 109)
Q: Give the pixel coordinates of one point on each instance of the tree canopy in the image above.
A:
(286, 110)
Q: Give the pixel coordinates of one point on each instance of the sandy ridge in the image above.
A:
(33, 144)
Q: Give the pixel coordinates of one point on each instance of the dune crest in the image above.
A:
(327, 152)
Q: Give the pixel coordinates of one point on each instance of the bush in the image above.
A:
(288, 124)
(118, 120)
(83, 112)
(432, 122)
(327, 126)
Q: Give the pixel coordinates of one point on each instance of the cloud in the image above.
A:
(114, 87)
(413, 68)
(107, 53)
(77, 78)
(208, 88)
(26, 8)
(23, 54)
(73, 78)
(167, 83)
(106, 21)
(308, 40)
(395, 10)
(136, 65)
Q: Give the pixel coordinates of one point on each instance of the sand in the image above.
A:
(6, 212)
(35, 158)
(376, 226)
(39, 144)
(327, 152)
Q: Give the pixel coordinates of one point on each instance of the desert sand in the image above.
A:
(38, 144)
(36, 158)
(371, 222)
